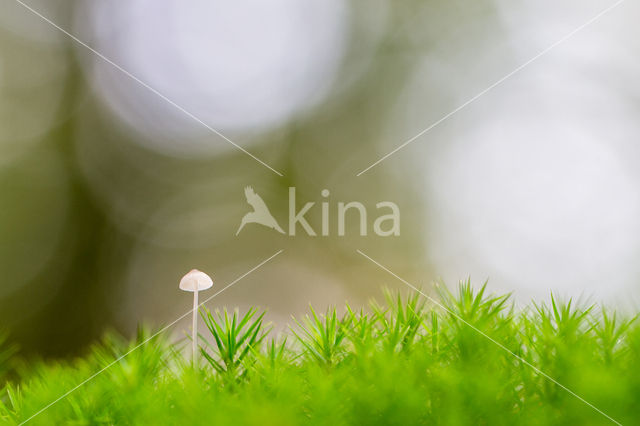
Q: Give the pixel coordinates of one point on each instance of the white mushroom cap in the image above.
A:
(195, 279)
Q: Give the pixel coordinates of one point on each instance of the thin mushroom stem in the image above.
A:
(194, 328)
(194, 281)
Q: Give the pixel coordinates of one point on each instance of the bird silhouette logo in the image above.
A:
(260, 213)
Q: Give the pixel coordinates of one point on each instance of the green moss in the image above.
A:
(403, 362)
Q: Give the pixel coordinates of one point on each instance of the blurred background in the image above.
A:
(110, 193)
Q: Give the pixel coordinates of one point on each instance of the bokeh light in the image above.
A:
(236, 71)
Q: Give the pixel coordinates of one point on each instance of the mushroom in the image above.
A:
(195, 281)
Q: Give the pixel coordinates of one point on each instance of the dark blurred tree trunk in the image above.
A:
(77, 313)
